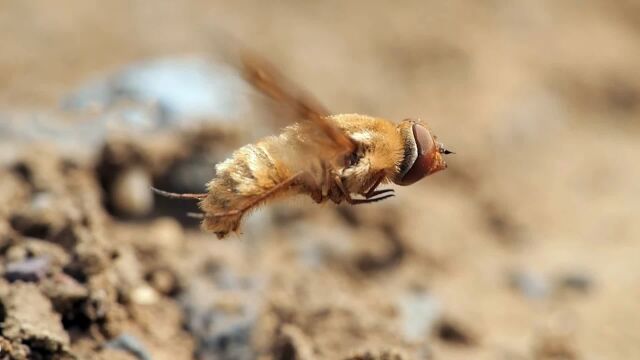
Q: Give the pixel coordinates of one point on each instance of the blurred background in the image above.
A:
(525, 248)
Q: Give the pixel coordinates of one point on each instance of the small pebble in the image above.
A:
(531, 285)
(575, 281)
(144, 295)
(419, 312)
(222, 314)
(42, 201)
(164, 281)
(167, 233)
(131, 344)
(30, 269)
(131, 192)
(453, 333)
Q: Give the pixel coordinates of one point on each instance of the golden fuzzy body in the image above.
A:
(257, 169)
(328, 157)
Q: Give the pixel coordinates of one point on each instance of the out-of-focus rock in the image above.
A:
(30, 319)
(35, 248)
(419, 313)
(12, 192)
(222, 314)
(382, 250)
(44, 217)
(130, 344)
(180, 89)
(293, 344)
(318, 244)
(167, 233)
(74, 138)
(553, 347)
(454, 333)
(128, 271)
(113, 353)
(143, 100)
(131, 192)
(93, 253)
(530, 284)
(378, 355)
(63, 290)
(164, 281)
(14, 349)
(144, 295)
(31, 269)
(575, 281)
(160, 326)
(102, 306)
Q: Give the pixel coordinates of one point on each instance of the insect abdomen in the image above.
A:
(250, 172)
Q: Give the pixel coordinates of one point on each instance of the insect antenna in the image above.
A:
(173, 195)
(443, 150)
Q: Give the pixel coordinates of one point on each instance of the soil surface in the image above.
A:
(526, 247)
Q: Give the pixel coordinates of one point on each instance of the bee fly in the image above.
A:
(328, 157)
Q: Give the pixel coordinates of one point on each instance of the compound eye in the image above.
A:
(423, 165)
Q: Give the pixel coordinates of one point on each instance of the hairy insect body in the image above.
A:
(328, 157)
(255, 173)
(240, 180)
(379, 152)
(252, 175)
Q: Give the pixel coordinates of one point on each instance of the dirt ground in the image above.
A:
(525, 248)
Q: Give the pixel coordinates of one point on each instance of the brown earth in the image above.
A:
(525, 248)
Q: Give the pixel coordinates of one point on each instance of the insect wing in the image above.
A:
(264, 77)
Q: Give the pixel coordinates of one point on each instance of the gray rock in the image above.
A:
(74, 138)
(130, 344)
(152, 96)
(532, 285)
(221, 313)
(419, 314)
(180, 89)
(30, 269)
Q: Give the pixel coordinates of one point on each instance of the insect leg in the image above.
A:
(371, 198)
(326, 184)
(173, 195)
(367, 201)
(342, 189)
(279, 187)
(379, 192)
(372, 190)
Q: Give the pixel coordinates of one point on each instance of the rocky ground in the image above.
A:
(525, 248)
